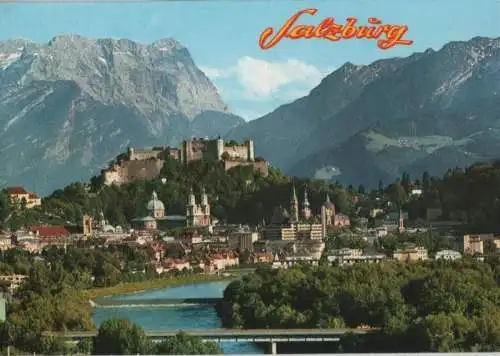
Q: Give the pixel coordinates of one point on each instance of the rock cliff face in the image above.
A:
(429, 111)
(69, 106)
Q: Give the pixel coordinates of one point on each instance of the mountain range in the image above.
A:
(69, 106)
(364, 123)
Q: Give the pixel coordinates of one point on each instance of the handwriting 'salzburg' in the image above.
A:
(387, 35)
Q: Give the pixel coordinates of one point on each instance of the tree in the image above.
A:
(397, 194)
(405, 182)
(121, 337)
(183, 344)
(225, 156)
(426, 182)
(380, 187)
(4, 207)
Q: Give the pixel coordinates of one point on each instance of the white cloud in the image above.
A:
(269, 80)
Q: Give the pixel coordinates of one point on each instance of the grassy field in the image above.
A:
(127, 288)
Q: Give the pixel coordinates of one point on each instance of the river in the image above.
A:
(176, 317)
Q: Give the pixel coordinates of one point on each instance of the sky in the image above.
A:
(222, 36)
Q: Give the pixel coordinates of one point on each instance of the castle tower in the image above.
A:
(306, 208)
(250, 151)
(219, 148)
(401, 222)
(294, 205)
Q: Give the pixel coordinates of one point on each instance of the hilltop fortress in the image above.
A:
(146, 163)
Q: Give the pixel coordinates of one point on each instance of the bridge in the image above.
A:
(111, 303)
(271, 336)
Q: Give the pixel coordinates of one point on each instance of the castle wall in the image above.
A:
(113, 176)
(134, 170)
(142, 170)
(193, 150)
(146, 163)
(198, 149)
(174, 153)
(242, 152)
(237, 152)
(261, 166)
(144, 153)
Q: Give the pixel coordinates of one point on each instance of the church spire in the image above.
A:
(294, 194)
(191, 198)
(401, 222)
(204, 197)
(306, 210)
(294, 205)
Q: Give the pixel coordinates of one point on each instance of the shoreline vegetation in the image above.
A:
(151, 284)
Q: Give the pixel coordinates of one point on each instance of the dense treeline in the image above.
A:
(243, 196)
(238, 196)
(418, 307)
(120, 337)
(54, 295)
(470, 195)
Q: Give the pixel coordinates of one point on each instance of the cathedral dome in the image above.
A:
(155, 204)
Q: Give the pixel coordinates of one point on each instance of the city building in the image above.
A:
(351, 256)
(292, 226)
(197, 214)
(5, 242)
(331, 217)
(87, 225)
(411, 253)
(448, 255)
(18, 194)
(43, 236)
(222, 261)
(157, 219)
(242, 240)
(473, 244)
(13, 281)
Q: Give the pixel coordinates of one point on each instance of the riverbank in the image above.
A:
(176, 317)
(157, 283)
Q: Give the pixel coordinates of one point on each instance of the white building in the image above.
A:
(448, 255)
(351, 256)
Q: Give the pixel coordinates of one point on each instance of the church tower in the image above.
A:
(205, 207)
(401, 222)
(294, 206)
(329, 211)
(190, 208)
(306, 207)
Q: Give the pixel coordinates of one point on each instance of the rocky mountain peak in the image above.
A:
(78, 102)
(426, 104)
(161, 77)
(168, 44)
